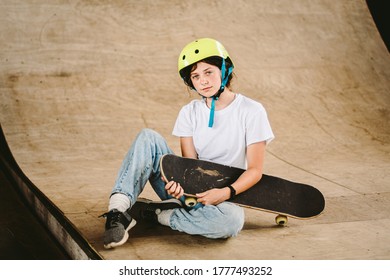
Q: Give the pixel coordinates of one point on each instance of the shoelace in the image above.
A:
(112, 217)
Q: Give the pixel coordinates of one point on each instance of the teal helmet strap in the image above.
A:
(224, 80)
(212, 110)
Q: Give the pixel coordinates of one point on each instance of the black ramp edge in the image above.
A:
(76, 246)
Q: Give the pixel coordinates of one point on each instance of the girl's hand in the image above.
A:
(213, 196)
(174, 189)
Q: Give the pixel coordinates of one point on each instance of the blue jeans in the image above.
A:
(141, 164)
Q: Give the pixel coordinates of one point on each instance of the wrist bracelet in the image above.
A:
(232, 192)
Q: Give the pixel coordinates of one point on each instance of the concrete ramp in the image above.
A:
(79, 79)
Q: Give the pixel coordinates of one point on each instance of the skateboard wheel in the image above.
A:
(190, 201)
(281, 220)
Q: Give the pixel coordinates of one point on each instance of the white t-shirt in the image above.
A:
(242, 123)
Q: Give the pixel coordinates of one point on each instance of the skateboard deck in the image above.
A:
(270, 194)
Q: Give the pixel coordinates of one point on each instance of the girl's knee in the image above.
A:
(236, 220)
(148, 133)
(232, 219)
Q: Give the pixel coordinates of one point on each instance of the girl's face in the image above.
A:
(206, 79)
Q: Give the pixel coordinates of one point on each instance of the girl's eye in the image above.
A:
(195, 77)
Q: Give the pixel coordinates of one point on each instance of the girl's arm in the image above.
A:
(254, 172)
(188, 148)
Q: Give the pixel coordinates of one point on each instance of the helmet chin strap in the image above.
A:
(212, 107)
(215, 97)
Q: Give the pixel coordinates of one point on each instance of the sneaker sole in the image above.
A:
(171, 203)
(124, 239)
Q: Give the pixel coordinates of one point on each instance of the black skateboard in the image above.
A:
(270, 194)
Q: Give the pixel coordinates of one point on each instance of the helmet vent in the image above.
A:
(196, 51)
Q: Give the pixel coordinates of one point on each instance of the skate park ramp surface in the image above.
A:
(79, 80)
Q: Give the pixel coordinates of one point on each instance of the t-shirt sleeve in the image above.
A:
(258, 128)
(184, 123)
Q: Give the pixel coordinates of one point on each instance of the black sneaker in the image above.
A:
(116, 229)
(147, 210)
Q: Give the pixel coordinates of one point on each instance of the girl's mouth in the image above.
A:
(206, 89)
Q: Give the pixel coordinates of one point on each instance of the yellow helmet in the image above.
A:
(202, 49)
(199, 50)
